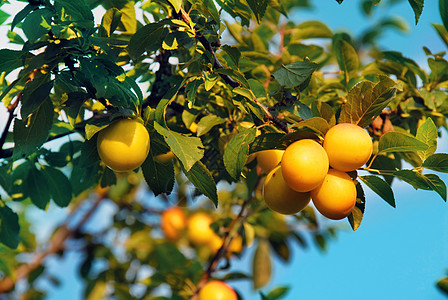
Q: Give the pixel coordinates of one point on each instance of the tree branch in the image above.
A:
(227, 239)
(62, 234)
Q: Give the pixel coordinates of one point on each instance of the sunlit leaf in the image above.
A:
(347, 57)
(188, 149)
(258, 8)
(207, 123)
(427, 133)
(366, 100)
(177, 4)
(294, 74)
(399, 142)
(311, 30)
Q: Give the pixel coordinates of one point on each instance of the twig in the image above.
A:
(57, 244)
(274, 119)
(227, 239)
(208, 46)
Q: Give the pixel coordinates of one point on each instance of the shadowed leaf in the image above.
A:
(236, 152)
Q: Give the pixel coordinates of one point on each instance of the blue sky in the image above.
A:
(396, 253)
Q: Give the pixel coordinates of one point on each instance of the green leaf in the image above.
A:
(424, 182)
(209, 80)
(443, 9)
(211, 8)
(11, 60)
(192, 88)
(427, 133)
(417, 6)
(317, 124)
(176, 85)
(295, 74)
(311, 30)
(437, 162)
(442, 285)
(415, 179)
(188, 149)
(34, 94)
(177, 4)
(59, 186)
(207, 123)
(30, 134)
(76, 10)
(237, 151)
(399, 142)
(258, 8)
(436, 185)
(278, 293)
(158, 176)
(35, 188)
(261, 265)
(233, 52)
(37, 24)
(111, 20)
(347, 58)
(15, 38)
(108, 178)
(442, 31)
(89, 153)
(201, 178)
(22, 14)
(366, 100)
(148, 38)
(267, 141)
(9, 228)
(356, 215)
(380, 187)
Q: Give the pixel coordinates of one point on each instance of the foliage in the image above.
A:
(249, 78)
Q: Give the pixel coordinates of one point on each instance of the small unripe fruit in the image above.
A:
(173, 221)
(199, 231)
(304, 165)
(269, 159)
(348, 147)
(336, 196)
(217, 290)
(123, 145)
(280, 197)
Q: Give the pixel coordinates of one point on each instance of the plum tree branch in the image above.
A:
(62, 234)
(227, 239)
